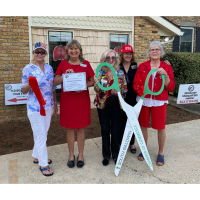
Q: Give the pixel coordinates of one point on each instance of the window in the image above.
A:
(57, 43)
(186, 40)
(117, 41)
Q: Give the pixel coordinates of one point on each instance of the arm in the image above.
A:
(55, 103)
(171, 85)
(90, 82)
(26, 88)
(58, 80)
(96, 87)
(167, 79)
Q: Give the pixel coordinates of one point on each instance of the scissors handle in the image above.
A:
(115, 83)
(146, 86)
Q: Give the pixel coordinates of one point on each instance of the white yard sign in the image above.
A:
(188, 93)
(13, 94)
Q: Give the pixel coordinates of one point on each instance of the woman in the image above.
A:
(40, 124)
(75, 106)
(108, 106)
(129, 67)
(154, 105)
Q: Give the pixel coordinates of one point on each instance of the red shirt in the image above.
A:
(142, 73)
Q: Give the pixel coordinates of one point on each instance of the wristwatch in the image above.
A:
(166, 76)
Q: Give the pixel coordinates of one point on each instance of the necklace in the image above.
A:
(74, 63)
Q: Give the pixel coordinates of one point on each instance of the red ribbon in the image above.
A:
(34, 85)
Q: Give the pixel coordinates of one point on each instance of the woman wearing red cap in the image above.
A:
(129, 67)
(154, 105)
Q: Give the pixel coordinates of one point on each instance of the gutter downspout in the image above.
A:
(132, 35)
(168, 41)
(30, 36)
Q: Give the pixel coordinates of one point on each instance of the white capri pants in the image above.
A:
(40, 126)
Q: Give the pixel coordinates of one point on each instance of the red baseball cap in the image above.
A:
(127, 48)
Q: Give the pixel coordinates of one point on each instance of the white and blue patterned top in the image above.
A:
(45, 82)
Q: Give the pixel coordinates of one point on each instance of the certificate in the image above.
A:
(74, 81)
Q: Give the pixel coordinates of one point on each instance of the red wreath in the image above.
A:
(34, 85)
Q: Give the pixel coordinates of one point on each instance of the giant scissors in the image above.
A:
(132, 124)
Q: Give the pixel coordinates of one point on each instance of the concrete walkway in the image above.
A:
(182, 162)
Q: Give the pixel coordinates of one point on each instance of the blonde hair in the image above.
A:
(103, 59)
(122, 59)
(73, 43)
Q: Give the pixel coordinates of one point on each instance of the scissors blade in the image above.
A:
(132, 125)
(137, 107)
(128, 132)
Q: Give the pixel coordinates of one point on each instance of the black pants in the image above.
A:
(123, 125)
(110, 119)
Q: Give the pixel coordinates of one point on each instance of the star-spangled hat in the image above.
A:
(40, 45)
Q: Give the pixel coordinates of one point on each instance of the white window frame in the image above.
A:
(192, 37)
(124, 33)
(56, 30)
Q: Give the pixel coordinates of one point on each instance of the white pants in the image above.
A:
(40, 126)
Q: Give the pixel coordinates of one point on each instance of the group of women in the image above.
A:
(75, 106)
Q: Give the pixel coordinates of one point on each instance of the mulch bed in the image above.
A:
(17, 136)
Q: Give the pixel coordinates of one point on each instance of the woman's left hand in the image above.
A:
(161, 71)
(167, 62)
(55, 109)
(114, 91)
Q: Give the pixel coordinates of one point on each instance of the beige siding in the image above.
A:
(94, 43)
(39, 35)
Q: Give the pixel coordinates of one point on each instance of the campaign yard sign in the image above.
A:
(188, 93)
(13, 94)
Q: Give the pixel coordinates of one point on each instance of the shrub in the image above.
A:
(186, 67)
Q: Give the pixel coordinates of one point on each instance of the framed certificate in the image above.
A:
(74, 81)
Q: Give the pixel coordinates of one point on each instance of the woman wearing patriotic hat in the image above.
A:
(43, 75)
(129, 67)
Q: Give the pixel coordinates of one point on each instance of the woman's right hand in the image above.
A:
(95, 80)
(70, 71)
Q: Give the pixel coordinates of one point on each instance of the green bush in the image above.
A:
(186, 67)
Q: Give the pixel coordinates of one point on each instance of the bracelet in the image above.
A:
(166, 76)
(55, 102)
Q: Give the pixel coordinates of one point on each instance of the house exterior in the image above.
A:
(95, 34)
(189, 40)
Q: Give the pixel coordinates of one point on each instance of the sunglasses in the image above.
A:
(40, 52)
(108, 58)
